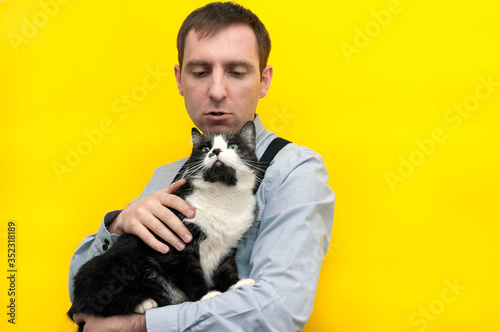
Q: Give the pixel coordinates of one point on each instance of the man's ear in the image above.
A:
(265, 81)
(177, 71)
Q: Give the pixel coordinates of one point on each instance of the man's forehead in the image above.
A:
(235, 43)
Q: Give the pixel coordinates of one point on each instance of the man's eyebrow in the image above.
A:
(236, 63)
(241, 63)
(192, 63)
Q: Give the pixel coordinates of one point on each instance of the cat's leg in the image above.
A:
(209, 295)
(242, 282)
(191, 280)
(226, 275)
(145, 305)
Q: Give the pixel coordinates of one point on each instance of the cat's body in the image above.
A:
(132, 277)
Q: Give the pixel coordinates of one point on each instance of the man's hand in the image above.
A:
(128, 323)
(150, 214)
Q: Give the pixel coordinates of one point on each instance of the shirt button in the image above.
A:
(104, 247)
(106, 241)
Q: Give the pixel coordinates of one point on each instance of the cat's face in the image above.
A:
(227, 159)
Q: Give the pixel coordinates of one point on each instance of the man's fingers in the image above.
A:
(166, 217)
(174, 186)
(149, 216)
(176, 203)
(145, 235)
(79, 318)
(175, 225)
(141, 227)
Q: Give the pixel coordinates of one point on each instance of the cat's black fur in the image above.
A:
(130, 272)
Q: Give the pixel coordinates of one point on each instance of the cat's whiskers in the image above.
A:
(192, 171)
(240, 126)
(254, 165)
(207, 133)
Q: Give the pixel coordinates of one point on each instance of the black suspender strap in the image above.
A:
(272, 150)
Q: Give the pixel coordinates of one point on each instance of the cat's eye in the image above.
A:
(232, 146)
(205, 149)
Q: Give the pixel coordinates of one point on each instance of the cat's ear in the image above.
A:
(248, 134)
(196, 136)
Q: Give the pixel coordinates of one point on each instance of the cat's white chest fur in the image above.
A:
(224, 214)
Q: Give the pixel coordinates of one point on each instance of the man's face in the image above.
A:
(220, 79)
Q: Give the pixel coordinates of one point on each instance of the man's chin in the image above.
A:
(224, 125)
(215, 127)
(219, 128)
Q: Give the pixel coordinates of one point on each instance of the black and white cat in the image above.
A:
(131, 277)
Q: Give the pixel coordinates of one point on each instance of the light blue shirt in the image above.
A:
(283, 252)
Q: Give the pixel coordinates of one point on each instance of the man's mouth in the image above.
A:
(217, 116)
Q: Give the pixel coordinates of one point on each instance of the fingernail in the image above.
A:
(187, 237)
(164, 249)
(180, 246)
(191, 213)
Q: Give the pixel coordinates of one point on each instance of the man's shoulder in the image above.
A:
(293, 153)
(296, 159)
(163, 176)
(291, 158)
(295, 172)
(167, 169)
(290, 150)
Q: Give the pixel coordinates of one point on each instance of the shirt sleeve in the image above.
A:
(293, 238)
(92, 245)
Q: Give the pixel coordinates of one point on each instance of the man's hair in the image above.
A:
(214, 17)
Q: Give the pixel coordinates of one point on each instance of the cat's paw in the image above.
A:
(145, 305)
(242, 282)
(209, 295)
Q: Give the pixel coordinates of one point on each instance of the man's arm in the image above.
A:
(149, 215)
(135, 322)
(92, 245)
(285, 261)
(149, 212)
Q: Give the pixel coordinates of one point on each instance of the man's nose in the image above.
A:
(218, 87)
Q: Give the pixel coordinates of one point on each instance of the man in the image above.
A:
(222, 73)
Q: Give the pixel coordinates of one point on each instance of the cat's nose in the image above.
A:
(216, 151)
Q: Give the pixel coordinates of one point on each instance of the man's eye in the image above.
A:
(205, 149)
(199, 73)
(237, 73)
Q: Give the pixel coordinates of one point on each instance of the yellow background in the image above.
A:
(396, 246)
